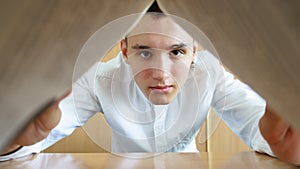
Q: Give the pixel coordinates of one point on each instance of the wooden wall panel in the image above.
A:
(78, 142)
(224, 140)
(81, 142)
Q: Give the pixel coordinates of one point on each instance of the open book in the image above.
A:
(39, 45)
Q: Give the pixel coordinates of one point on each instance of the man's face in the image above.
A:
(160, 61)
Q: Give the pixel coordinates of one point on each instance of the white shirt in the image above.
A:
(139, 126)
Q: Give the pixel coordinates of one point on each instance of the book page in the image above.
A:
(39, 45)
(258, 41)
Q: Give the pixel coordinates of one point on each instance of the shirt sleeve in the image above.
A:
(76, 109)
(240, 108)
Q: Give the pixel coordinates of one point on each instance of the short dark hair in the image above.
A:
(155, 8)
(154, 11)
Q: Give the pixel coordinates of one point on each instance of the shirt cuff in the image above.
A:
(261, 145)
(23, 151)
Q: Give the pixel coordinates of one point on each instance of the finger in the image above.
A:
(51, 116)
(41, 126)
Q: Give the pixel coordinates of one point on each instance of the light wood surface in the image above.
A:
(245, 160)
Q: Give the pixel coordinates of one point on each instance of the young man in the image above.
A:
(155, 95)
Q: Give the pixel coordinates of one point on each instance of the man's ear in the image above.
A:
(195, 48)
(123, 46)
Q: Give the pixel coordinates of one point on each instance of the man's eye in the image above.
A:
(177, 52)
(145, 54)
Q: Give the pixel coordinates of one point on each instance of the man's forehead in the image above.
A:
(159, 41)
(163, 26)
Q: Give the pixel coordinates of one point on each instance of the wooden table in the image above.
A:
(242, 160)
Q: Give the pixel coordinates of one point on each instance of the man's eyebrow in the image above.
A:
(137, 46)
(176, 46)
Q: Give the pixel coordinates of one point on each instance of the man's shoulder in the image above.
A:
(207, 57)
(208, 62)
(107, 69)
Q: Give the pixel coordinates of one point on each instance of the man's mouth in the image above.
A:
(161, 89)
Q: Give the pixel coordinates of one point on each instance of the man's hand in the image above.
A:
(40, 127)
(282, 138)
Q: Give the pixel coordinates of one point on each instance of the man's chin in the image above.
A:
(160, 103)
(160, 100)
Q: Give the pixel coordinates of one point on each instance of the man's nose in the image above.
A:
(161, 67)
(159, 74)
(162, 62)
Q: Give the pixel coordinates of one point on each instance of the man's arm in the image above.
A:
(282, 138)
(56, 123)
(39, 128)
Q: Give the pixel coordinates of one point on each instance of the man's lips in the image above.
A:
(161, 89)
